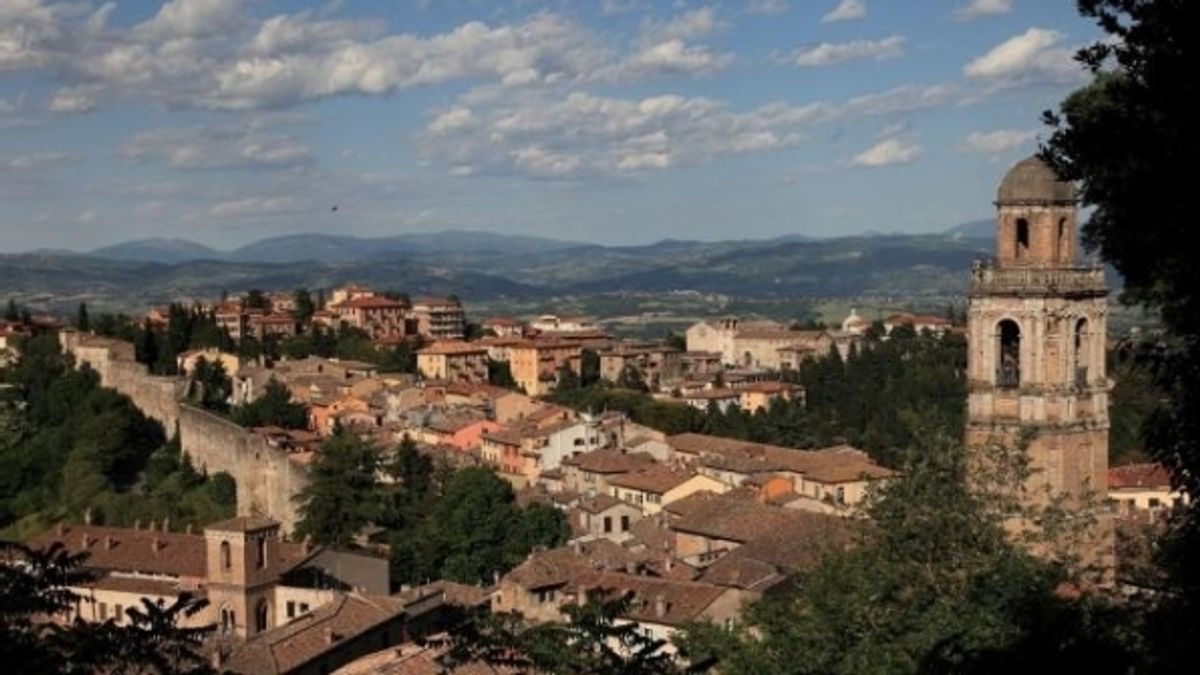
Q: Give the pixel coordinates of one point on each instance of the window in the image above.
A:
(1022, 239)
(103, 609)
(228, 620)
(261, 616)
(624, 523)
(304, 608)
(118, 612)
(1008, 366)
(262, 552)
(841, 495)
(1064, 245)
(226, 556)
(1154, 504)
(291, 608)
(607, 524)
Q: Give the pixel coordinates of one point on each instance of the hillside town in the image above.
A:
(615, 338)
(688, 527)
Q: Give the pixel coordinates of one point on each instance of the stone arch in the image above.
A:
(1021, 249)
(262, 615)
(228, 619)
(1008, 354)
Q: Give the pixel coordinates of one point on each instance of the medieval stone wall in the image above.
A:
(267, 480)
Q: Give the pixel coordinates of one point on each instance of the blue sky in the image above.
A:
(615, 121)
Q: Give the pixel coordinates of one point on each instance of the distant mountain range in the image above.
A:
(482, 266)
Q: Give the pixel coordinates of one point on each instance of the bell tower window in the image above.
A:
(1082, 352)
(1022, 239)
(1008, 364)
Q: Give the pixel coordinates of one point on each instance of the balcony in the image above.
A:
(987, 279)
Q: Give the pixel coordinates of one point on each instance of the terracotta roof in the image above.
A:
(670, 602)
(128, 550)
(288, 647)
(556, 567)
(656, 479)
(598, 503)
(769, 559)
(461, 595)
(609, 460)
(1149, 475)
(503, 436)
(712, 394)
(768, 387)
(454, 347)
(141, 585)
(837, 464)
(371, 302)
(741, 520)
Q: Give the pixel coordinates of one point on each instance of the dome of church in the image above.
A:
(1033, 181)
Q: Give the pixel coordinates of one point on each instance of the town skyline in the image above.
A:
(622, 123)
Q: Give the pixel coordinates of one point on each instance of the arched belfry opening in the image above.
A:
(1064, 242)
(1082, 352)
(1022, 249)
(1008, 354)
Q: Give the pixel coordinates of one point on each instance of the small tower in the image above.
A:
(242, 556)
(1036, 335)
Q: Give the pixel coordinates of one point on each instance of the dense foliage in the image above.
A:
(877, 398)
(274, 408)
(70, 447)
(458, 524)
(1130, 140)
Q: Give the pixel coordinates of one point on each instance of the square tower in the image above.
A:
(243, 559)
(1036, 339)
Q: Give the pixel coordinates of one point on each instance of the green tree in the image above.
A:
(500, 374)
(81, 318)
(256, 299)
(212, 386)
(567, 379)
(275, 408)
(342, 496)
(1128, 140)
(305, 307)
(589, 367)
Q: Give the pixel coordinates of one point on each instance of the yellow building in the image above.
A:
(535, 364)
(454, 361)
(654, 486)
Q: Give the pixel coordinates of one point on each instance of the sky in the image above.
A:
(612, 121)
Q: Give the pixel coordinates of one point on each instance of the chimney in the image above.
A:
(87, 516)
(137, 524)
(188, 529)
(156, 545)
(153, 525)
(60, 529)
(582, 599)
(660, 605)
(330, 636)
(108, 542)
(87, 540)
(167, 524)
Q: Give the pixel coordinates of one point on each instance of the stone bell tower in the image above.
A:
(1036, 336)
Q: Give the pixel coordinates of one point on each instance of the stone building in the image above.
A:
(1036, 333)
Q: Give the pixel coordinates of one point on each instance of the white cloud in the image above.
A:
(86, 217)
(217, 148)
(585, 134)
(193, 19)
(979, 8)
(828, 53)
(995, 142)
(846, 10)
(769, 7)
(74, 100)
(255, 206)
(671, 57)
(1033, 57)
(686, 26)
(36, 161)
(887, 152)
